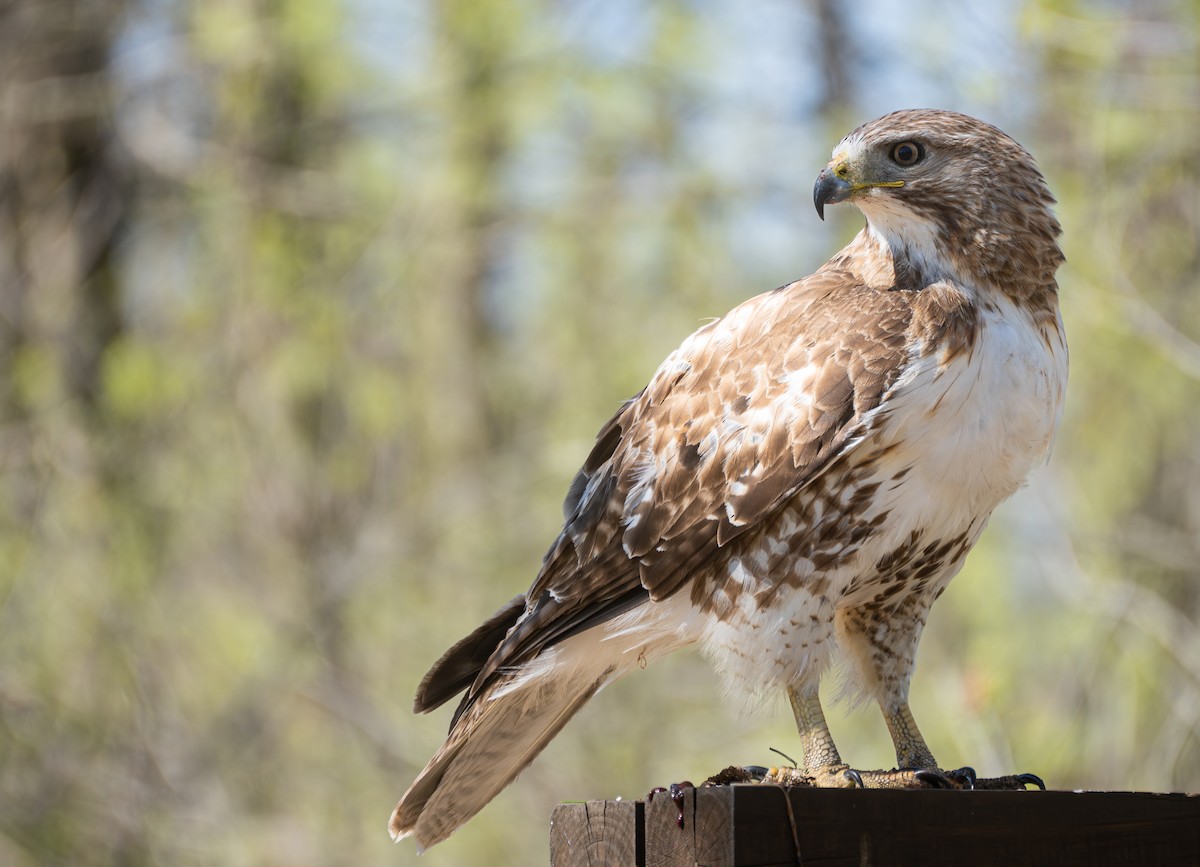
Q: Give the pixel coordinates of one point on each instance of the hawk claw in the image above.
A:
(964, 778)
(932, 778)
(1031, 779)
(1014, 782)
(826, 777)
(840, 776)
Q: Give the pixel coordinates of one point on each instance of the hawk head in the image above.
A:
(938, 180)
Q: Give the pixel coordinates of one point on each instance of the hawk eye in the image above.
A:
(907, 153)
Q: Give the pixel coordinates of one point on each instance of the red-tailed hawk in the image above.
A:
(806, 473)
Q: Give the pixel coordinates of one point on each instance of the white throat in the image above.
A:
(908, 234)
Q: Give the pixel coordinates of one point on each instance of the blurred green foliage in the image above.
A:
(308, 312)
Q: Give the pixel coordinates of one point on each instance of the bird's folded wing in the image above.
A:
(749, 410)
(761, 413)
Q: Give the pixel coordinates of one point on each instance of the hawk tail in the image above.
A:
(497, 735)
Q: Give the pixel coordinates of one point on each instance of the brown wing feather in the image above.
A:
(803, 390)
(461, 664)
(746, 412)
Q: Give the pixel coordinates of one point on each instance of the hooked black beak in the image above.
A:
(829, 190)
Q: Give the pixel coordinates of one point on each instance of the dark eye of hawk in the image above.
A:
(908, 153)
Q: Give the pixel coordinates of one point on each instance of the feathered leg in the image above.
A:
(882, 644)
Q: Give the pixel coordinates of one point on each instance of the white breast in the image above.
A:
(952, 442)
(973, 429)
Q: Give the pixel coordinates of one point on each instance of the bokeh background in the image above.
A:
(309, 311)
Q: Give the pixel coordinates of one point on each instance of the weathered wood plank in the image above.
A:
(713, 830)
(668, 844)
(752, 826)
(842, 827)
(596, 834)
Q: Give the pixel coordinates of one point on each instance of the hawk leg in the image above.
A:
(916, 767)
(824, 768)
(882, 641)
(823, 765)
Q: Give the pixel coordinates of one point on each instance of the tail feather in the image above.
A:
(499, 730)
(499, 735)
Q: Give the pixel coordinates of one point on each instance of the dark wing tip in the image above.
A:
(458, 667)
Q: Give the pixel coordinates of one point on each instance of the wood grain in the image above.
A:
(752, 826)
(597, 834)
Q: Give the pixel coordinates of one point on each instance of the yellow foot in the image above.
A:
(827, 777)
(845, 777)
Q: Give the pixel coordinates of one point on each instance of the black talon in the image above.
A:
(965, 777)
(854, 777)
(656, 790)
(1031, 779)
(934, 779)
(756, 772)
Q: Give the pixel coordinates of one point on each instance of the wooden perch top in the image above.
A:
(764, 826)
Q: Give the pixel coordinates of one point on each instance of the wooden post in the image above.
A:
(764, 826)
(597, 834)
